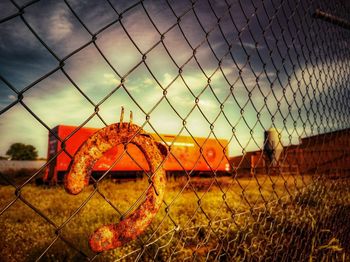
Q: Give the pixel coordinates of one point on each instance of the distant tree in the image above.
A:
(19, 151)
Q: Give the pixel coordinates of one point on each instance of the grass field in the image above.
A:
(200, 219)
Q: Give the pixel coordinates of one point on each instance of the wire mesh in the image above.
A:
(268, 81)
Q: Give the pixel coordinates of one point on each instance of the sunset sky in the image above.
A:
(275, 68)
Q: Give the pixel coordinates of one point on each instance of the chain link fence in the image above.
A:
(267, 81)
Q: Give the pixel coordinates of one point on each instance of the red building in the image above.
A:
(324, 153)
(327, 153)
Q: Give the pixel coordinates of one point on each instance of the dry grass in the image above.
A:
(220, 219)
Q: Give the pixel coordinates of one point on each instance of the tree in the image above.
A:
(19, 151)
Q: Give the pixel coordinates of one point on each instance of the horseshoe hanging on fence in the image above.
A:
(115, 235)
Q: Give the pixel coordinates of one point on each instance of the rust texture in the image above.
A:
(115, 235)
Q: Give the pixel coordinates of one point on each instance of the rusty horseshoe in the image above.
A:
(115, 235)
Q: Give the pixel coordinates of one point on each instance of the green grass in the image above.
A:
(234, 219)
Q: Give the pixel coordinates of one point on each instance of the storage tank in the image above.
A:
(272, 146)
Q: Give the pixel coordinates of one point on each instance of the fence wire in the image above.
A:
(268, 81)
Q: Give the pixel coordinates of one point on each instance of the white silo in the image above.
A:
(272, 146)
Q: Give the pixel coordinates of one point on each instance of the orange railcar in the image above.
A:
(198, 156)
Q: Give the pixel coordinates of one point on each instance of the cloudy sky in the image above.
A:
(244, 67)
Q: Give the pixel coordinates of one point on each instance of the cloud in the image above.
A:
(110, 79)
(208, 104)
(7, 9)
(93, 15)
(57, 101)
(12, 97)
(252, 46)
(59, 24)
(148, 81)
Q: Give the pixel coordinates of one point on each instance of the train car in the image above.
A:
(198, 156)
